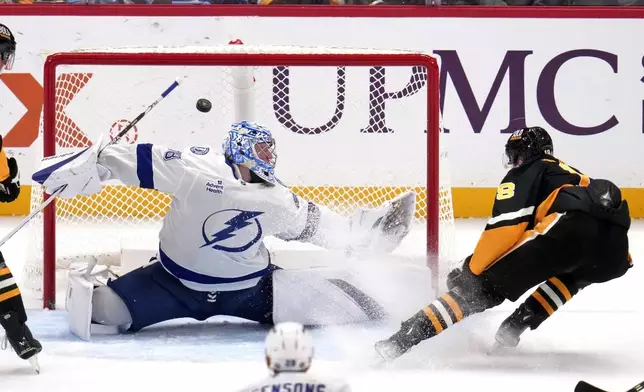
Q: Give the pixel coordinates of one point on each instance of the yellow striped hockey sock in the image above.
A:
(436, 317)
(443, 313)
(547, 298)
(10, 298)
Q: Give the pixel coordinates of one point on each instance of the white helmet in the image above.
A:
(289, 348)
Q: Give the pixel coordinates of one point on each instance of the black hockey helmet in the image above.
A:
(7, 48)
(527, 143)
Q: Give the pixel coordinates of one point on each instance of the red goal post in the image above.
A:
(244, 57)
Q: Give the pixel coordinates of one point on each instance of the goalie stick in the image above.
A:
(583, 386)
(138, 118)
(116, 139)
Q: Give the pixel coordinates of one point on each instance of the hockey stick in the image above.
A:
(32, 214)
(116, 139)
(583, 386)
(138, 118)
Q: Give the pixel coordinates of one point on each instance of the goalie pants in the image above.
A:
(152, 295)
(576, 248)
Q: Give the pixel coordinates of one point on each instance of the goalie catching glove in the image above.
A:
(382, 229)
(77, 172)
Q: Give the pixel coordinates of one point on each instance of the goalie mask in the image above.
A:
(289, 348)
(525, 144)
(252, 146)
(7, 48)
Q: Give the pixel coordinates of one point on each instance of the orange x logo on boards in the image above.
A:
(30, 93)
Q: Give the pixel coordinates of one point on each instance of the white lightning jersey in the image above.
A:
(212, 236)
(297, 382)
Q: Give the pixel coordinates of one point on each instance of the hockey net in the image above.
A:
(353, 128)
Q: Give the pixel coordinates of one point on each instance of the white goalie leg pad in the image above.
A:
(79, 305)
(306, 297)
(363, 290)
(328, 296)
(80, 292)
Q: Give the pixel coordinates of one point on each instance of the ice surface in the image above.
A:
(597, 337)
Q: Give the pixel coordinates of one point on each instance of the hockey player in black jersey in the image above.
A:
(7, 48)
(551, 226)
(13, 316)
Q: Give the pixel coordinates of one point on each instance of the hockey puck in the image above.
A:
(204, 105)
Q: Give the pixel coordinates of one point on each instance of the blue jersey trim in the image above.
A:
(144, 165)
(191, 276)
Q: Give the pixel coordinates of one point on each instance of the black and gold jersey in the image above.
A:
(521, 208)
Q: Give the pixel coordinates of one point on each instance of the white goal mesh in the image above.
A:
(353, 128)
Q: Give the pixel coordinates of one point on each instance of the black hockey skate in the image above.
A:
(508, 334)
(390, 349)
(412, 332)
(20, 338)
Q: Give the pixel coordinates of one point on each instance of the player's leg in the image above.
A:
(321, 297)
(254, 303)
(550, 296)
(150, 295)
(607, 258)
(529, 264)
(468, 294)
(304, 296)
(13, 316)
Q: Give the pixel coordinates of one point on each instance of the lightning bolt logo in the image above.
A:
(241, 220)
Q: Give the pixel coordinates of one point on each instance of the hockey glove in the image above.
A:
(78, 172)
(383, 229)
(9, 179)
(10, 188)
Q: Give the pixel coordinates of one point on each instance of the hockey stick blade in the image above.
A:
(583, 386)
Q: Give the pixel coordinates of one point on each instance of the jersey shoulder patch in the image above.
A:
(171, 154)
(198, 150)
